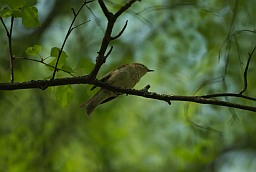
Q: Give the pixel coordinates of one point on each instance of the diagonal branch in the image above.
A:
(246, 71)
(104, 9)
(121, 32)
(101, 58)
(70, 29)
(125, 7)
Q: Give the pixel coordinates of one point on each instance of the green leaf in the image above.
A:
(6, 12)
(33, 50)
(31, 2)
(55, 52)
(86, 65)
(16, 13)
(64, 94)
(63, 58)
(67, 68)
(16, 9)
(2, 3)
(30, 17)
(14, 4)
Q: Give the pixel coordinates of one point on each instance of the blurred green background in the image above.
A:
(198, 47)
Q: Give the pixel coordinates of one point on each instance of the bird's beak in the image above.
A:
(149, 70)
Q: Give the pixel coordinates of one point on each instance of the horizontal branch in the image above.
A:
(41, 84)
(229, 95)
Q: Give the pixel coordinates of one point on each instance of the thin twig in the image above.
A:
(80, 25)
(9, 36)
(243, 30)
(95, 18)
(193, 124)
(229, 95)
(11, 53)
(67, 35)
(46, 64)
(124, 8)
(5, 27)
(111, 48)
(121, 32)
(246, 71)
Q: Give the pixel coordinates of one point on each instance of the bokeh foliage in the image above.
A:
(199, 44)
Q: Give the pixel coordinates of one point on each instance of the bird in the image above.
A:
(125, 76)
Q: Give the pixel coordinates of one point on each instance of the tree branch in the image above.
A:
(70, 29)
(101, 58)
(104, 9)
(229, 95)
(246, 71)
(42, 61)
(121, 32)
(9, 36)
(142, 93)
(125, 7)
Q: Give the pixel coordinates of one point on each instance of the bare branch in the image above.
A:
(80, 25)
(124, 8)
(67, 35)
(5, 27)
(152, 95)
(42, 61)
(104, 9)
(95, 18)
(101, 58)
(121, 32)
(9, 36)
(111, 48)
(10, 51)
(243, 30)
(229, 95)
(246, 71)
(74, 13)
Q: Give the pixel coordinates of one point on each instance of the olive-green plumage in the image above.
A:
(125, 76)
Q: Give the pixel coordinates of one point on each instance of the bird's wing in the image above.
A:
(107, 100)
(103, 79)
(106, 77)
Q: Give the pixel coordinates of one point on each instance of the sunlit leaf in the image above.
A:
(16, 13)
(55, 53)
(31, 2)
(6, 12)
(67, 68)
(64, 94)
(33, 50)
(86, 65)
(14, 4)
(30, 17)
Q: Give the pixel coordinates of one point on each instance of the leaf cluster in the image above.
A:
(24, 9)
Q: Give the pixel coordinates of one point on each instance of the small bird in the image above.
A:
(125, 76)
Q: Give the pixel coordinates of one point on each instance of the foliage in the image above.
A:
(23, 9)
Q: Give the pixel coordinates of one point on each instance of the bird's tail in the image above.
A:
(89, 105)
(93, 102)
